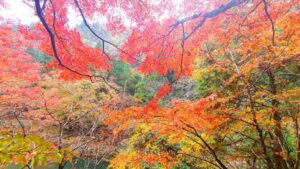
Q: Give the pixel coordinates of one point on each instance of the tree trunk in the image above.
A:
(278, 140)
(259, 130)
(297, 142)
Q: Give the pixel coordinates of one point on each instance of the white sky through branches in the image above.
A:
(18, 12)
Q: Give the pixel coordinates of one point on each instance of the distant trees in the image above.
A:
(108, 93)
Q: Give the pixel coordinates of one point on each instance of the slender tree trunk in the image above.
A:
(278, 140)
(212, 151)
(254, 117)
(259, 131)
(61, 165)
(297, 143)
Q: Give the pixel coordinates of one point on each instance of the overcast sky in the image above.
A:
(19, 12)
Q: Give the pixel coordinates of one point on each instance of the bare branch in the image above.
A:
(44, 5)
(205, 16)
(96, 35)
(272, 22)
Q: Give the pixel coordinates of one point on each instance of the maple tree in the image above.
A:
(19, 95)
(87, 100)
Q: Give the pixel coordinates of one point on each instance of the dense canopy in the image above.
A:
(150, 84)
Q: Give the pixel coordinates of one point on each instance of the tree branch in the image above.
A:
(205, 16)
(96, 35)
(272, 22)
(54, 49)
(212, 151)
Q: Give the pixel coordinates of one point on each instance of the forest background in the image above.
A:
(150, 84)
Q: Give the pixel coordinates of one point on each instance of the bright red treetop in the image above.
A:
(164, 36)
(18, 69)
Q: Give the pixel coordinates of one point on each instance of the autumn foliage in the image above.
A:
(159, 84)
